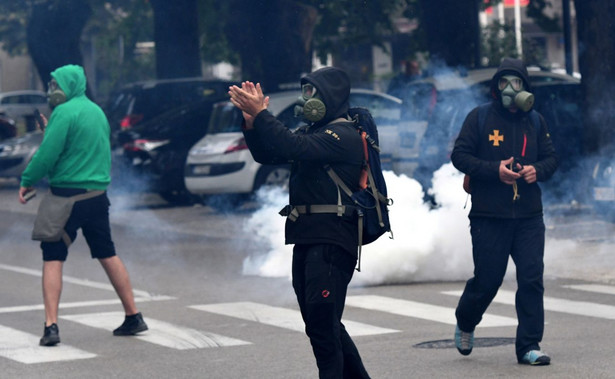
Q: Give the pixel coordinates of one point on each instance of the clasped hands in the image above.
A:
(249, 99)
(508, 176)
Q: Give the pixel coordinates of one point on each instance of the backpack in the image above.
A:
(483, 109)
(371, 199)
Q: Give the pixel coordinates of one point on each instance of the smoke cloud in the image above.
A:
(428, 244)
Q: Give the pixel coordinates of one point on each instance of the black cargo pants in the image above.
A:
(321, 274)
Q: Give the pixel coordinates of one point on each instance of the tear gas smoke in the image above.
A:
(428, 244)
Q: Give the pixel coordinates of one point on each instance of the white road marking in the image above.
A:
(281, 317)
(69, 279)
(77, 304)
(421, 310)
(598, 288)
(581, 308)
(160, 332)
(23, 347)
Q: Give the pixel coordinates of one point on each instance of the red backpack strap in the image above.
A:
(364, 176)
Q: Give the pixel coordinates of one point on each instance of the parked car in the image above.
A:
(20, 105)
(8, 129)
(221, 163)
(151, 156)
(143, 101)
(16, 153)
(445, 102)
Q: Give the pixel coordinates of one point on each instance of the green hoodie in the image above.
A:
(75, 152)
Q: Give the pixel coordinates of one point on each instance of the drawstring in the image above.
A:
(515, 188)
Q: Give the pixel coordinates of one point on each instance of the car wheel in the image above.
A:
(277, 176)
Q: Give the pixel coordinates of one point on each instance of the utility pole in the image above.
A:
(518, 36)
(567, 35)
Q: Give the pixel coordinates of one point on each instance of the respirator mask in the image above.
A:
(309, 105)
(512, 93)
(55, 96)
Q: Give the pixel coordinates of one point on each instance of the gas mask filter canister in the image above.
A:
(55, 96)
(512, 93)
(309, 105)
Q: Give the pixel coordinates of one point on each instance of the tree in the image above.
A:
(177, 38)
(118, 59)
(596, 33)
(452, 29)
(51, 28)
(273, 39)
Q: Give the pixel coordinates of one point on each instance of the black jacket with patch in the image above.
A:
(308, 150)
(479, 149)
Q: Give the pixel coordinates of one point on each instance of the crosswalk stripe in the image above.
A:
(23, 347)
(281, 317)
(72, 280)
(421, 310)
(598, 288)
(581, 308)
(160, 332)
(77, 304)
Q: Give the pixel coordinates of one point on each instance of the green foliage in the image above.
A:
(536, 9)
(13, 19)
(213, 19)
(116, 29)
(498, 41)
(351, 22)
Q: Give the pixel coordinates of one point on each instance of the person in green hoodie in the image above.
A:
(75, 156)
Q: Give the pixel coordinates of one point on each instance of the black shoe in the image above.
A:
(51, 336)
(132, 325)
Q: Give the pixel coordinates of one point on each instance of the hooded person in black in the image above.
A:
(504, 156)
(325, 251)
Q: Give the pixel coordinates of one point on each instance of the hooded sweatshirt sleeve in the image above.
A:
(48, 152)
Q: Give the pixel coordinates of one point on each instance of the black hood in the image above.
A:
(333, 85)
(510, 66)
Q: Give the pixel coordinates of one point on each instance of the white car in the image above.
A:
(220, 163)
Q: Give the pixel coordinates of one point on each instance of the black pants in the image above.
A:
(321, 274)
(493, 241)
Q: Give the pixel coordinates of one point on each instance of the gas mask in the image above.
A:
(309, 105)
(512, 93)
(55, 96)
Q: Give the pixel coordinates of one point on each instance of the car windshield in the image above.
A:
(226, 118)
(383, 110)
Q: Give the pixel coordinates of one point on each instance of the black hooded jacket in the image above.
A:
(479, 150)
(309, 149)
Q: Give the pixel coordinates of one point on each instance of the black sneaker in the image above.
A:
(132, 325)
(51, 336)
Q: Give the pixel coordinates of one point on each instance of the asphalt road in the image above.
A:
(209, 320)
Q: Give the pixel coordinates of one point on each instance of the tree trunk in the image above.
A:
(54, 35)
(596, 33)
(452, 29)
(274, 38)
(176, 34)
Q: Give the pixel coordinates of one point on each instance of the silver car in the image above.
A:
(16, 153)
